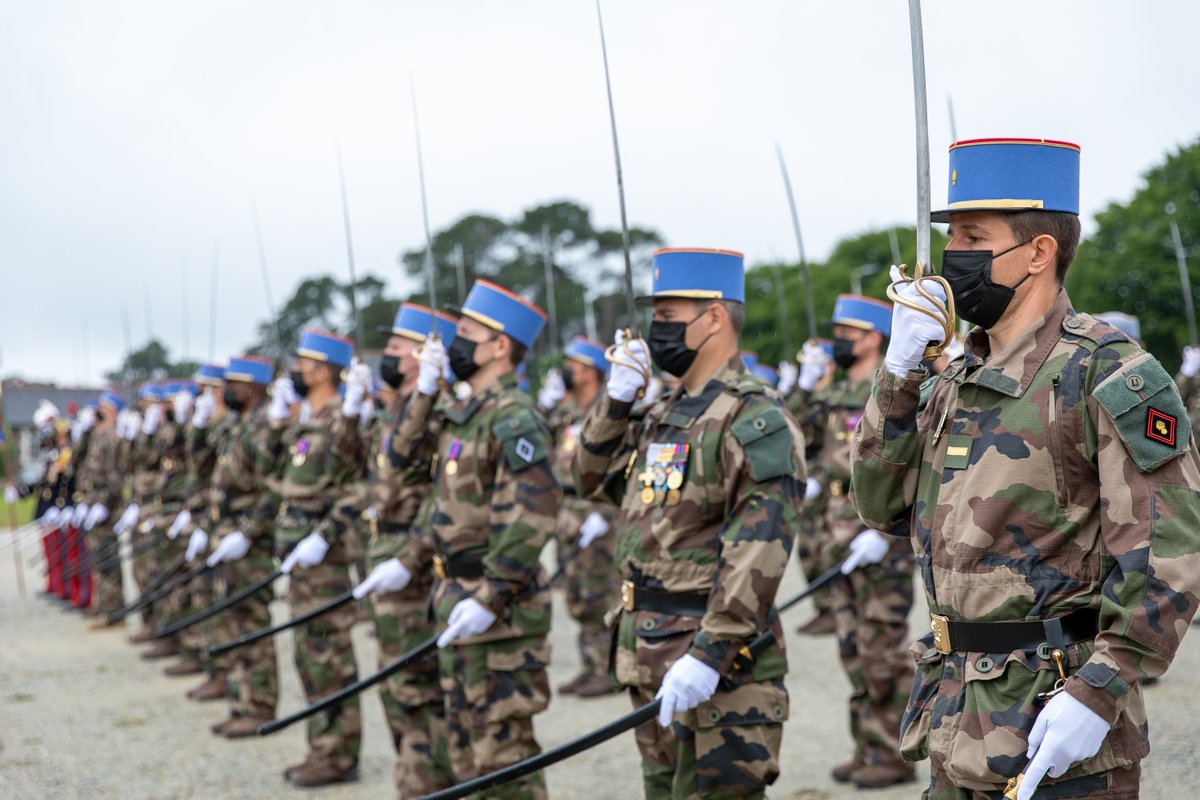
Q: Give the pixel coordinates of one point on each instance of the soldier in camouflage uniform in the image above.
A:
(241, 518)
(871, 605)
(708, 487)
(316, 461)
(1049, 486)
(590, 576)
(494, 505)
(139, 516)
(98, 484)
(399, 486)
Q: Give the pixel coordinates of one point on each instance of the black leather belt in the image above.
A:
(681, 604)
(1004, 637)
(393, 528)
(467, 566)
(300, 514)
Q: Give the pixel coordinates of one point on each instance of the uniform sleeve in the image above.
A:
(347, 473)
(604, 452)
(763, 461)
(886, 453)
(412, 428)
(524, 507)
(1150, 526)
(200, 445)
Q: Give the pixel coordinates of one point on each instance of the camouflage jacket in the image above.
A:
(493, 498)
(168, 454)
(238, 490)
(201, 447)
(99, 478)
(736, 456)
(566, 426)
(1056, 475)
(315, 462)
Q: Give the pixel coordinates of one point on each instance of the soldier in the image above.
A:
(708, 488)
(494, 505)
(399, 490)
(871, 605)
(316, 462)
(591, 577)
(138, 517)
(1050, 490)
(98, 486)
(241, 518)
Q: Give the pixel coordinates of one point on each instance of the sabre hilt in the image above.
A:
(614, 355)
(944, 316)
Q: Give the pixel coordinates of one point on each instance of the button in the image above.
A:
(1043, 651)
(1073, 323)
(777, 712)
(985, 664)
(760, 424)
(648, 624)
(1135, 382)
(714, 715)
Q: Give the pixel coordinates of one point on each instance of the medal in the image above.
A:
(451, 468)
(380, 462)
(452, 457)
(300, 452)
(168, 464)
(675, 479)
(381, 458)
(673, 497)
(647, 495)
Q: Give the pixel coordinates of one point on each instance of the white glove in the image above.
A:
(182, 520)
(133, 424)
(183, 406)
(788, 375)
(913, 331)
(283, 396)
(81, 512)
(687, 684)
(468, 618)
(816, 364)
(206, 407)
(308, 552)
(49, 520)
(1191, 362)
(653, 391)
(86, 418)
(11, 495)
(553, 390)
(812, 489)
(148, 524)
(869, 547)
(1065, 732)
(152, 419)
(592, 529)
(128, 519)
(432, 363)
(624, 382)
(305, 412)
(64, 516)
(197, 544)
(96, 514)
(358, 386)
(231, 548)
(390, 576)
(366, 411)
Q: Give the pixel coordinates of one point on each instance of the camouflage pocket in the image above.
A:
(517, 684)
(738, 738)
(662, 639)
(918, 715)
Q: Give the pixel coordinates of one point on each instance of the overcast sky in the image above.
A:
(134, 135)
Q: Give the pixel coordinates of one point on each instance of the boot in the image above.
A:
(164, 649)
(219, 728)
(99, 625)
(144, 635)
(820, 625)
(878, 776)
(594, 685)
(570, 686)
(312, 775)
(184, 666)
(243, 727)
(211, 689)
(842, 773)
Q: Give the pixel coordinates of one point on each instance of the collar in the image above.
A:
(684, 408)
(460, 412)
(1012, 370)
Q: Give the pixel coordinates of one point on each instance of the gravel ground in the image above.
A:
(81, 716)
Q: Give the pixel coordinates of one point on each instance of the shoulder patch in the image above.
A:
(521, 437)
(767, 442)
(1144, 405)
(749, 385)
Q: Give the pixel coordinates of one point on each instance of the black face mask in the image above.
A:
(233, 400)
(170, 414)
(298, 383)
(843, 353)
(668, 346)
(568, 379)
(976, 298)
(389, 370)
(462, 358)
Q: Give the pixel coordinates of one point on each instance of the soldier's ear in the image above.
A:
(1045, 254)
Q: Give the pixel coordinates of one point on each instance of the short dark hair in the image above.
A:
(735, 310)
(1063, 226)
(517, 354)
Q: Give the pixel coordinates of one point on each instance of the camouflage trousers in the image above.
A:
(711, 752)
(412, 697)
(176, 605)
(109, 595)
(1116, 784)
(324, 654)
(808, 551)
(871, 607)
(491, 692)
(591, 580)
(202, 593)
(252, 682)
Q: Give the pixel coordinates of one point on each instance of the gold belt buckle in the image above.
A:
(627, 595)
(940, 625)
(439, 567)
(374, 525)
(835, 488)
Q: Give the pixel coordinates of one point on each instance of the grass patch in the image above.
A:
(20, 697)
(130, 722)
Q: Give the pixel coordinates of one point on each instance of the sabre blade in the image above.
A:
(921, 109)
(358, 323)
(808, 292)
(424, 206)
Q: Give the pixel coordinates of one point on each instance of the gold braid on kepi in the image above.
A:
(613, 356)
(943, 316)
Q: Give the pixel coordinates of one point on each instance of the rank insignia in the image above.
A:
(1160, 427)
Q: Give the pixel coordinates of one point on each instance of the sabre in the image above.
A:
(212, 312)
(349, 247)
(213, 610)
(572, 551)
(1184, 278)
(923, 270)
(262, 266)
(152, 596)
(254, 636)
(551, 306)
(417, 653)
(804, 270)
(616, 727)
(146, 598)
(412, 87)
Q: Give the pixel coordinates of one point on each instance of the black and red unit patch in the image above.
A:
(1160, 427)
